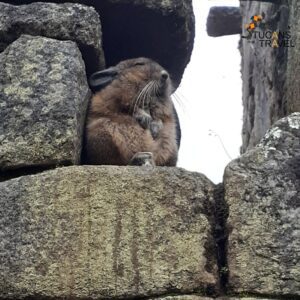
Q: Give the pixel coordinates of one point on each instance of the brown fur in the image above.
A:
(114, 135)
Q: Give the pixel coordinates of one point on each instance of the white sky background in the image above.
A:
(211, 97)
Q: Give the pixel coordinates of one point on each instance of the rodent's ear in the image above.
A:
(101, 79)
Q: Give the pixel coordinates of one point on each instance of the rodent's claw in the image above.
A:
(144, 120)
(142, 159)
(155, 127)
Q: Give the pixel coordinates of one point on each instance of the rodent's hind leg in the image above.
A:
(142, 159)
(116, 140)
(100, 147)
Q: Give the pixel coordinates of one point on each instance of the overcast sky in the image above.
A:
(211, 99)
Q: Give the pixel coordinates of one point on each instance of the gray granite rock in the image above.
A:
(267, 87)
(248, 298)
(195, 297)
(183, 297)
(262, 189)
(43, 100)
(292, 98)
(224, 20)
(159, 29)
(64, 21)
(94, 232)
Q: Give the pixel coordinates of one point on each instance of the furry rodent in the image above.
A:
(131, 113)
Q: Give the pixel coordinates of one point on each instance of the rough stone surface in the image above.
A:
(159, 29)
(247, 298)
(65, 21)
(292, 98)
(224, 20)
(182, 297)
(105, 232)
(262, 190)
(43, 99)
(264, 72)
(194, 297)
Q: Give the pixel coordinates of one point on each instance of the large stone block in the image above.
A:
(262, 189)
(246, 298)
(64, 21)
(158, 29)
(264, 69)
(43, 100)
(195, 297)
(292, 98)
(183, 297)
(105, 232)
(224, 20)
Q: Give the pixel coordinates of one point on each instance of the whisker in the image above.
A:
(157, 93)
(141, 96)
(148, 92)
(179, 101)
(145, 94)
(181, 96)
(136, 102)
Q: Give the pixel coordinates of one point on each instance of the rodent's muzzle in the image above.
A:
(164, 83)
(164, 76)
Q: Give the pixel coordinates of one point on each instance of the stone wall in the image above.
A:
(93, 232)
(130, 26)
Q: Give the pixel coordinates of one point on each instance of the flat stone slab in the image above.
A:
(105, 232)
(246, 298)
(66, 21)
(43, 100)
(195, 297)
(183, 297)
(262, 189)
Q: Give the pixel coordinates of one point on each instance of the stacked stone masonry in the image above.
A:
(95, 232)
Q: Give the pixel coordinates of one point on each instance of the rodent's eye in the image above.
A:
(140, 63)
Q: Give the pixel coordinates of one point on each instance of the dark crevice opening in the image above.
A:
(221, 236)
(29, 170)
(91, 58)
(122, 39)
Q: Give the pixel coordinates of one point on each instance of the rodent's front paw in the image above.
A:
(155, 127)
(144, 120)
(142, 159)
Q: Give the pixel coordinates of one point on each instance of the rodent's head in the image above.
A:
(141, 78)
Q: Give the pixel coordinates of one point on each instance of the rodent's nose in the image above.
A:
(164, 75)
